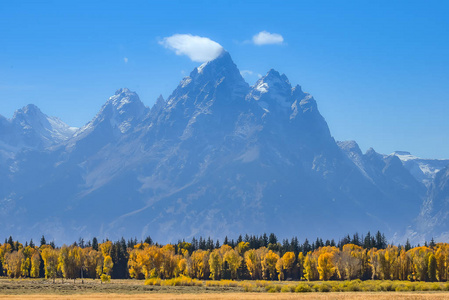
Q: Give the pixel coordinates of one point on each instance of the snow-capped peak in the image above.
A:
(32, 129)
(272, 90)
(122, 110)
(423, 170)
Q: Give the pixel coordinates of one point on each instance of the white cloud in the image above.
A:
(197, 48)
(267, 38)
(125, 59)
(250, 76)
(246, 73)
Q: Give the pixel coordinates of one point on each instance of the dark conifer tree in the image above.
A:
(432, 243)
(43, 241)
(272, 239)
(148, 240)
(31, 243)
(120, 260)
(226, 242)
(265, 240)
(294, 245)
(95, 244)
(306, 247)
(355, 239)
(367, 241)
(285, 246)
(407, 245)
(240, 239)
(209, 244)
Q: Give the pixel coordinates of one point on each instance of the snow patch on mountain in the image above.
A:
(424, 170)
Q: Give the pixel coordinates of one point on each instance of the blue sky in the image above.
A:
(379, 70)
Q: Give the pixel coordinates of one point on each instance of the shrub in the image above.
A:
(105, 278)
(153, 281)
(288, 289)
(247, 287)
(303, 288)
(274, 288)
(386, 286)
(324, 288)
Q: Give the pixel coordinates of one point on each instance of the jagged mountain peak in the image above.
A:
(217, 71)
(350, 147)
(216, 81)
(28, 112)
(28, 109)
(121, 111)
(124, 99)
(272, 92)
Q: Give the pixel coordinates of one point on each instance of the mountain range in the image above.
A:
(217, 158)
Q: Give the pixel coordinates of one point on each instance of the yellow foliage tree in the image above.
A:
(234, 261)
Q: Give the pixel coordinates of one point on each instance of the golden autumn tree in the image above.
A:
(310, 267)
(13, 263)
(280, 268)
(200, 264)
(301, 259)
(50, 258)
(288, 262)
(169, 261)
(215, 264)
(270, 261)
(234, 261)
(35, 264)
(326, 267)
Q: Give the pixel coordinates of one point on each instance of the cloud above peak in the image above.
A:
(197, 48)
(267, 38)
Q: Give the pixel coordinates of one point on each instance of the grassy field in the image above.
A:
(135, 289)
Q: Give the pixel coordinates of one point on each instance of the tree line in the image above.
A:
(248, 257)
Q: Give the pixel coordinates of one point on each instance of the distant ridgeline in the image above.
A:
(217, 157)
(249, 257)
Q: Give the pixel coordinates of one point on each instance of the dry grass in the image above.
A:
(229, 296)
(185, 288)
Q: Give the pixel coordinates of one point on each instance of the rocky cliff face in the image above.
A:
(217, 158)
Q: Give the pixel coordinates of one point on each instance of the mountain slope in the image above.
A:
(218, 157)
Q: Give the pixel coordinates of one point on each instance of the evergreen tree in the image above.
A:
(432, 268)
(265, 240)
(95, 244)
(43, 241)
(240, 239)
(407, 245)
(148, 240)
(367, 241)
(306, 247)
(272, 239)
(120, 260)
(209, 244)
(355, 239)
(31, 243)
